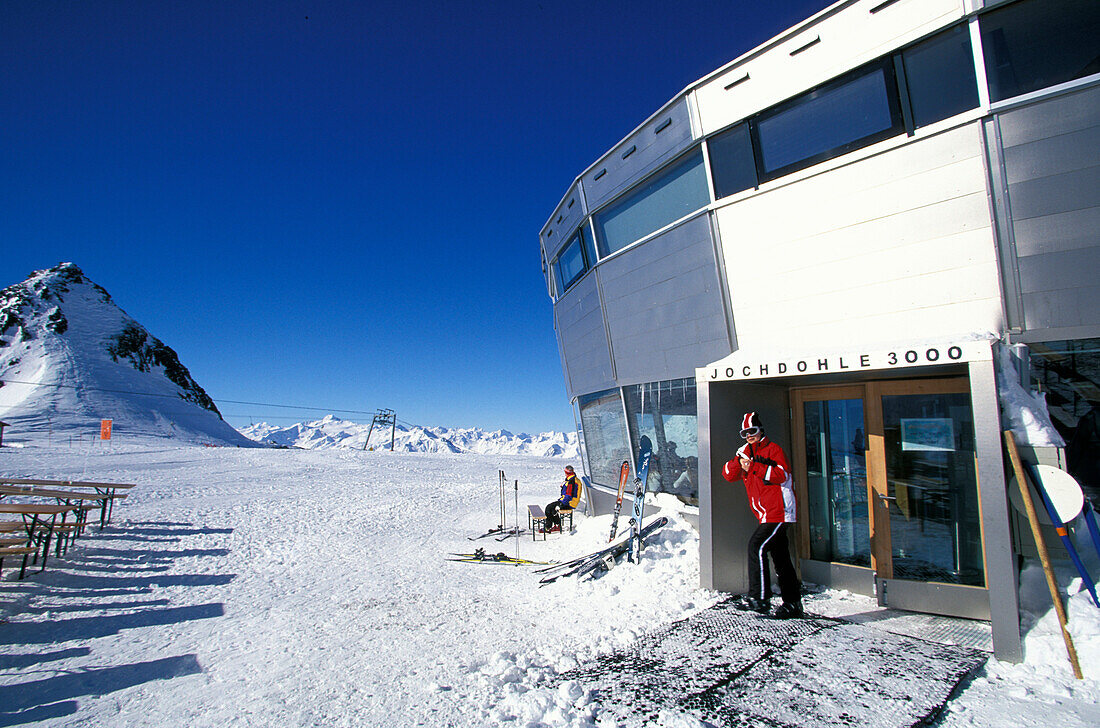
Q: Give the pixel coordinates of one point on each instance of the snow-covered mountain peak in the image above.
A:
(69, 357)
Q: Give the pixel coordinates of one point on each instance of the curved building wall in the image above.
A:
(963, 199)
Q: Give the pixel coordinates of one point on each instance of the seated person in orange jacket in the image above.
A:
(570, 497)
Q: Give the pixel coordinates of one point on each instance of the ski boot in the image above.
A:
(751, 604)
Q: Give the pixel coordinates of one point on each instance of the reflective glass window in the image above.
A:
(1033, 44)
(665, 413)
(604, 427)
(1068, 373)
(570, 264)
(854, 111)
(939, 74)
(665, 198)
(731, 161)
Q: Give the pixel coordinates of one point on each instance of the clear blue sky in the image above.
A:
(335, 204)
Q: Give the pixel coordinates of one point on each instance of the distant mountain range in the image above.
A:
(70, 357)
(330, 432)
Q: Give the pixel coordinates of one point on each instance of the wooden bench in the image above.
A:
(536, 520)
(24, 551)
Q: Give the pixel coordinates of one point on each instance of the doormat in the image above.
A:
(726, 667)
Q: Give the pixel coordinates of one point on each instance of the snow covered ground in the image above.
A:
(259, 587)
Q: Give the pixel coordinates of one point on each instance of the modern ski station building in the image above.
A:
(873, 230)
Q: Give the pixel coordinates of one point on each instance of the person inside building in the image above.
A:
(766, 473)
(570, 497)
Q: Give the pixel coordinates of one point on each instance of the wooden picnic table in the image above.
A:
(34, 521)
(65, 497)
(108, 489)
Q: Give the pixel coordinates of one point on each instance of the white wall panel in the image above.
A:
(847, 39)
(899, 244)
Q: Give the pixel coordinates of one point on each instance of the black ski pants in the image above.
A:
(552, 517)
(770, 540)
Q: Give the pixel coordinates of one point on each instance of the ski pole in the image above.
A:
(503, 501)
(1090, 520)
(1063, 533)
(517, 519)
(1041, 547)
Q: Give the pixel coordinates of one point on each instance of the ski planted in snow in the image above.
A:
(624, 473)
(481, 557)
(602, 559)
(634, 549)
(497, 531)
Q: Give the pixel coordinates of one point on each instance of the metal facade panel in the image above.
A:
(1063, 309)
(898, 241)
(664, 305)
(1077, 189)
(1000, 560)
(817, 53)
(563, 222)
(1051, 117)
(1052, 207)
(1071, 230)
(1060, 270)
(658, 141)
(585, 353)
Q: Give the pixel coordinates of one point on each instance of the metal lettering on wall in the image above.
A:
(915, 356)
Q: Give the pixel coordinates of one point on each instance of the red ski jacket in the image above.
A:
(768, 482)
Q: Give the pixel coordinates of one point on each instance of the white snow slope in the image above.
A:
(289, 587)
(70, 357)
(330, 432)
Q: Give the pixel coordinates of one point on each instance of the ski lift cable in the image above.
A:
(175, 396)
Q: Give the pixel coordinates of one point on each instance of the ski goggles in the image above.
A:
(750, 431)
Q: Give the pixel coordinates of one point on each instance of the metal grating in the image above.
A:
(732, 668)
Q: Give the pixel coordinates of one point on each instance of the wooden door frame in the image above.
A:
(871, 392)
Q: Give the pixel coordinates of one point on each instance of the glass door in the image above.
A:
(931, 489)
(836, 481)
(888, 487)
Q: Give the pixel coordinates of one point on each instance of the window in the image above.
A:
(570, 264)
(940, 77)
(1069, 373)
(604, 435)
(665, 198)
(731, 161)
(665, 413)
(856, 110)
(1033, 44)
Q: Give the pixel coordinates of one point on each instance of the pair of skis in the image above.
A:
(603, 559)
(639, 487)
(481, 557)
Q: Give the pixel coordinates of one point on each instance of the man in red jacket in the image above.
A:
(763, 467)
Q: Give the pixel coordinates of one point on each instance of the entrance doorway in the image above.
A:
(889, 493)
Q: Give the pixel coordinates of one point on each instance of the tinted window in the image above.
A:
(604, 427)
(731, 161)
(1038, 43)
(665, 413)
(940, 75)
(660, 201)
(570, 264)
(857, 110)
